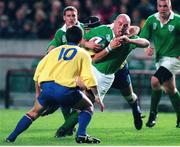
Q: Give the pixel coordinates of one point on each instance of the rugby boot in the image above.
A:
(152, 120)
(87, 139)
(138, 123)
(178, 123)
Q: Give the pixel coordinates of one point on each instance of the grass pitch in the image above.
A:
(113, 128)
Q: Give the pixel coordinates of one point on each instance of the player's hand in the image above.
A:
(149, 51)
(115, 42)
(100, 103)
(124, 39)
(91, 44)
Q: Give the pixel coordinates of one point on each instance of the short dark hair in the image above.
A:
(69, 8)
(74, 34)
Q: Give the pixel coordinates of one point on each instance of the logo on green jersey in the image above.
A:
(154, 26)
(108, 37)
(171, 28)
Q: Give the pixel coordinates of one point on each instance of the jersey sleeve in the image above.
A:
(57, 40)
(86, 74)
(39, 68)
(133, 46)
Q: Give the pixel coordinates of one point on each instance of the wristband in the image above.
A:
(108, 48)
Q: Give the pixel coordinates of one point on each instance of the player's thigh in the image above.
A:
(83, 103)
(170, 63)
(122, 79)
(170, 85)
(127, 90)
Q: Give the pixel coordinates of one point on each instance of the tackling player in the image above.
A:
(55, 86)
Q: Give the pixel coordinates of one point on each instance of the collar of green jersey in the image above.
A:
(170, 17)
(64, 27)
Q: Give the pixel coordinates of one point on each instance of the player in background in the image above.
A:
(163, 29)
(56, 86)
(70, 16)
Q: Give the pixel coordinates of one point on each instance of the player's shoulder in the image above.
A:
(60, 31)
(176, 16)
(152, 17)
(101, 27)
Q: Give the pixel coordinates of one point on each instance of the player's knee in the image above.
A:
(170, 89)
(131, 98)
(163, 75)
(155, 82)
(33, 114)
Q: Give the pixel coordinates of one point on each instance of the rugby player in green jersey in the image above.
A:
(163, 29)
(107, 62)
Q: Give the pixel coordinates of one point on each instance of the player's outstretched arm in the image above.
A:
(139, 42)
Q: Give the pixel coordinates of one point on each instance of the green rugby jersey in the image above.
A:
(60, 36)
(166, 37)
(112, 62)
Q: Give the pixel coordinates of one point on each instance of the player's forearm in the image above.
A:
(97, 98)
(98, 56)
(140, 42)
(84, 43)
(37, 87)
(95, 92)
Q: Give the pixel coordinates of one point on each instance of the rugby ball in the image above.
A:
(99, 40)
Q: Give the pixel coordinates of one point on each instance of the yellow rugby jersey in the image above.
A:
(64, 64)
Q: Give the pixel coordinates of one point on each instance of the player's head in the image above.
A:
(91, 22)
(70, 16)
(74, 34)
(164, 8)
(121, 25)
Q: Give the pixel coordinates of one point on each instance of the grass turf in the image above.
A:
(113, 128)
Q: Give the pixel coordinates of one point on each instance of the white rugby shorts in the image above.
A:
(171, 63)
(104, 82)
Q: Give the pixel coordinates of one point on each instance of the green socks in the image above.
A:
(175, 100)
(155, 98)
(66, 112)
(71, 121)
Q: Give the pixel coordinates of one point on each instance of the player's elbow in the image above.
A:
(146, 43)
